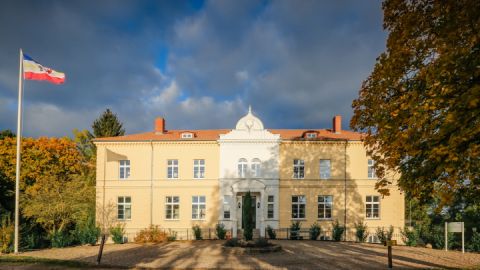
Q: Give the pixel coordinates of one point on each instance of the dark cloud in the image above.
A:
(199, 65)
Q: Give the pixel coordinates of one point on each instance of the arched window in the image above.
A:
(256, 167)
(242, 168)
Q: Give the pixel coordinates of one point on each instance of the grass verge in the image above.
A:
(20, 260)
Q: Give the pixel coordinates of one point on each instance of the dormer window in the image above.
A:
(311, 135)
(187, 135)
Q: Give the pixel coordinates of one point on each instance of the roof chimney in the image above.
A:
(337, 124)
(159, 125)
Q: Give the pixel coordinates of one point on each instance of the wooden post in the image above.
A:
(390, 266)
(446, 237)
(100, 251)
(463, 237)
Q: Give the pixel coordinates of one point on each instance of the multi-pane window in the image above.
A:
(270, 206)
(298, 168)
(325, 205)
(298, 206)
(124, 169)
(242, 168)
(324, 168)
(199, 168)
(311, 135)
(172, 168)
(371, 169)
(198, 207)
(226, 207)
(256, 167)
(372, 207)
(172, 207)
(124, 208)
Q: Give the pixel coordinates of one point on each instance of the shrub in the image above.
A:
(261, 242)
(361, 231)
(271, 232)
(6, 235)
(295, 230)
(232, 242)
(153, 234)
(172, 235)
(247, 217)
(88, 232)
(474, 244)
(409, 236)
(438, 238)
(220, 231)
(337, 231)
(384, 235)
(314, 231)
(60, 238)
(117, 232)
(197, 232)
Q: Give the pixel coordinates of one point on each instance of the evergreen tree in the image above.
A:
(247, 217)
(107, 125)
(6, 133)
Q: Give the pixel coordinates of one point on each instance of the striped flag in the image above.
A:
(34, 71)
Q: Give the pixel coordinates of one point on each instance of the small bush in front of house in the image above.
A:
(474, 244)
(337, 231)
(117, 232)
(87, 232)
(314, 231)
(262, 242)
(172, 235)
(220, 231)
(295, 230)
(271, 232)
(232, 242)
(361, 232)
(384, 235)
(197, 232)
(153, 234)
(409, 236)
(60, 238)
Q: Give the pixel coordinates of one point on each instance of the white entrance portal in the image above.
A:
(249, 160)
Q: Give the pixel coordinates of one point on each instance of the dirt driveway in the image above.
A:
(295, 255)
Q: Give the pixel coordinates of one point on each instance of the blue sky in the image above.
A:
(199, 64)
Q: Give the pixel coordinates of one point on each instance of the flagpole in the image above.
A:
(19, 149)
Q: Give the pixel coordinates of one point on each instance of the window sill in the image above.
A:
(197, 219)
(372, 218)
(172, 219)
(325, 219)
(299, 219)
(123, 220)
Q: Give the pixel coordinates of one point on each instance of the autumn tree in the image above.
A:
(420, 107)
(107, 125)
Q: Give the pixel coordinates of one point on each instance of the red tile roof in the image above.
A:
(214, 134)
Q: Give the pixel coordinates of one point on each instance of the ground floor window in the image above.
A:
(226, 207)
(172, 207)
(325, 205)
(270, 207)
(298, 206)
(372, 207)
(198, 207)
(124, 208)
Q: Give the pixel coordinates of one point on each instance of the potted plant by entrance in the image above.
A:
(247, 217)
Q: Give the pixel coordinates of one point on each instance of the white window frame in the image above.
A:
(172, 169)
(226, 207)
(297, 206)
(199, 207)
(372, 202)
(124, 169)
(271, 207)
(242, 168)
(124, 207)
(371, 169)
(199, 168)
(256, 167)
(298, 169)
(325, 201)
(325, 168)
(172, 203)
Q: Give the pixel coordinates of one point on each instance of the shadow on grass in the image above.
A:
(22, 260)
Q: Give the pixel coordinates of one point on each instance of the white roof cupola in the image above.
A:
(249, 122)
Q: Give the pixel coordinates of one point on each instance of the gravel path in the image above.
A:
(295, 255)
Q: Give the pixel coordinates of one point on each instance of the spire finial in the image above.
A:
(250, 109)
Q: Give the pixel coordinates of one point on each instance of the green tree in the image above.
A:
(6, 133)
(247, 217)
(420, 107)
(107, 125)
